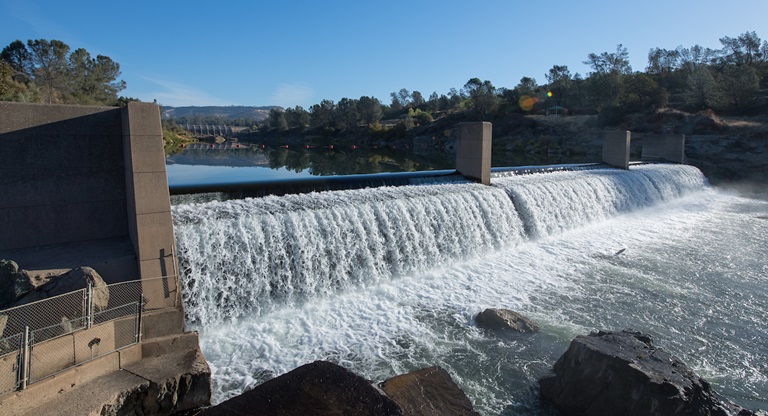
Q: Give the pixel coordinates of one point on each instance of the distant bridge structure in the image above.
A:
(202, 130)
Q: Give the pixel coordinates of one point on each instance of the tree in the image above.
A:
(369, 109)
(559, 78)
(297, 117)
(19, 59)
(527, 86)
(417, 99)
(51, 74)
(346, 115)
(702, 91)
(401, 99)
(740, 86)
(746, 49)
(641, 93)
(321, 115)
(10, 89)
(694, 57)
(482, 95)
(92, 81)
(276, 120)
(606, 63)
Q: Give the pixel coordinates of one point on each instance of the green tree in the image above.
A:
(702, 91)
(51, 72)
(276, 120)
(482, 95)
(417, 99)
(745, 49)
(346, 116)
(93, 81)
(10, 89)
(642, 93)
(606, 63)
(740, 86)
(19, 59)
(53, 75)
(369, 109)
(297, 117)
(559, 78)
(321, 115)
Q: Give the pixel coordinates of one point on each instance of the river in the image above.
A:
(385, 281)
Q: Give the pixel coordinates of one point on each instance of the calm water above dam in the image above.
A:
(384, 281)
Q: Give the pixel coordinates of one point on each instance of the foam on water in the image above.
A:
(248, 255)
(693, 275)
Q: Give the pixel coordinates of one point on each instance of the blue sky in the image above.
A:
(301, 52)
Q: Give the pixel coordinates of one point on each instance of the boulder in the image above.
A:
(13, 283)
(622, 373)
(319, 388)
(505, 319)
(429, 391)
(71, 281)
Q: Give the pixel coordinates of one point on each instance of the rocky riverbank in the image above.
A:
(603, 373)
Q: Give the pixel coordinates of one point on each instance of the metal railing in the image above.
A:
(42, 338)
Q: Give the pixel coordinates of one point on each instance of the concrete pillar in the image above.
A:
(150, 225)
(616, 148)
(473, 151)
(669, 147)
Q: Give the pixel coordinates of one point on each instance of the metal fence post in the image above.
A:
(24, 359)
(89, 305)
(140, 307)
(177, 276)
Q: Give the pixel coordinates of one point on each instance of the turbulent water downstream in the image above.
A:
(385, 281)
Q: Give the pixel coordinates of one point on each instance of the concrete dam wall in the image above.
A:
(87, 186)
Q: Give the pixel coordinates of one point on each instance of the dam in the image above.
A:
(387, 279)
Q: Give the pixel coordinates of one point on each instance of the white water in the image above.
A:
(693, 275)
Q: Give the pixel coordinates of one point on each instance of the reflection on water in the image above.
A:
(212, 163)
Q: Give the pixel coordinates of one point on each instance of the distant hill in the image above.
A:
(227, 112)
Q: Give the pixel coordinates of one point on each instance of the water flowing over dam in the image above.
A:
(242, 256)
(387, 280)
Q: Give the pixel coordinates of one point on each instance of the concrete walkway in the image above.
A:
(170, 376)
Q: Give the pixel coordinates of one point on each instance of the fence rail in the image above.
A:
(43, 338)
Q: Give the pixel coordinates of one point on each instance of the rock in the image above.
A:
(622, 373)
(505, 319)
(179, 381)
(71, 281)
(13, 283)
(429, 391)
(319, 388)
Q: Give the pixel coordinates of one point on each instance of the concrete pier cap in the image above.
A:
(616, 148)
(473, 151)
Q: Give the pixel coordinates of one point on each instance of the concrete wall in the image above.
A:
(669, 147)
(79, 184)
(473, 151)
(616, 149)
(61, 175)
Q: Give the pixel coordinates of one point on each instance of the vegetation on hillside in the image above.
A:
(727, 81)
(50, 72)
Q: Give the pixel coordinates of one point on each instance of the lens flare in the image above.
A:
(549, 93)
(527, 102)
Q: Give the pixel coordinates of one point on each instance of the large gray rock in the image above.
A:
(622, 373)
(493, 318)
(319, 388)
(13, 283)
(428, 392)
(71, 281)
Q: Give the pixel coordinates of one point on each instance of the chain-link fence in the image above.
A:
(42, 338)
